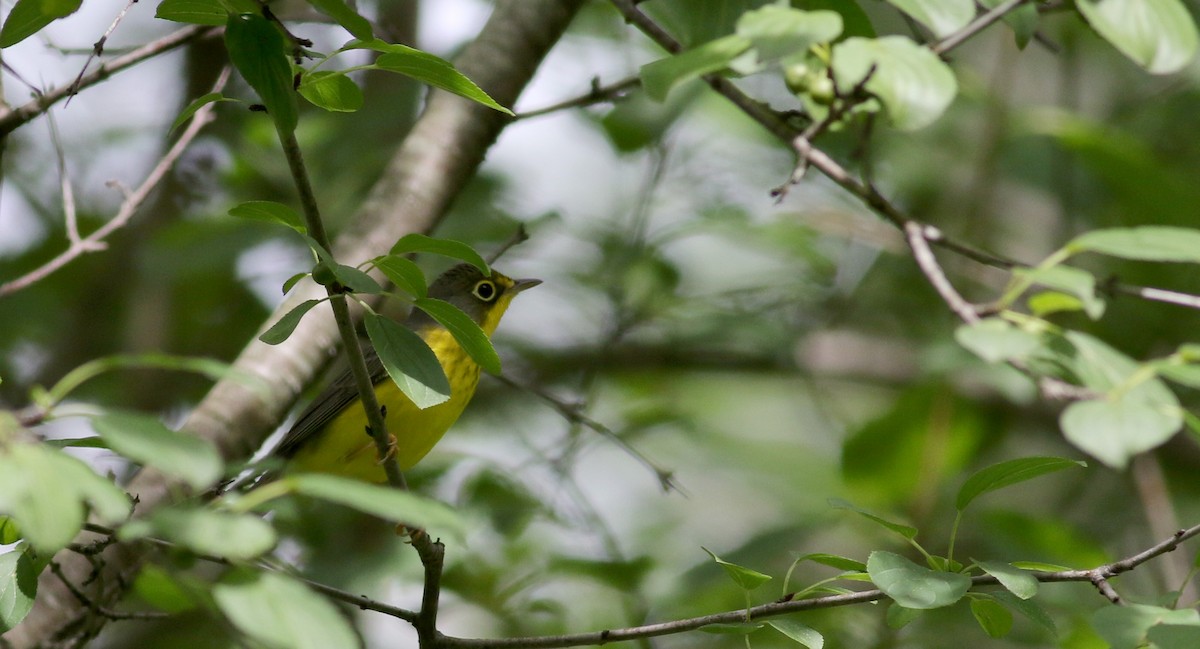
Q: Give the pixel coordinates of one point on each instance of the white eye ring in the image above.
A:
(484, 290)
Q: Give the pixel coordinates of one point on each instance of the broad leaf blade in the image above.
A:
(1008, 473)
(256, 49)
(409, 361)
(914, 586)
(465, 330)
(446, 247)
(147, 441)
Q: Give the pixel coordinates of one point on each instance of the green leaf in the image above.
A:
(292, 281)
(382, 501)
(426, 68)
(195, 12)
(1125, 627)
(280, 331)
(1158, 35)
(833, 561)
(745, 578)
(406, 275)
(1174, 636)
(278, 611)
(198, 103)
(942, 17)
(338, 10)
(355, 279)
(445, 247)
(48, 494)
(906, 531)
(10, 532)
(18, 586)
(1048, 303)
(993, 618)
(995, 340)
(659, 77)
(899, 617)
(238, 537)
(855, 21)
(76, 442)
(270, 212)
(914, 586)
(913, 84)
(147, 441)
(1027, 607)
(1113, 431)
(1023, 20)
(465, 330)
(1143, 243)
(409, 361)
(170, 592)
(256, 49)
(801, 633)
(1019, 582)
(778, 31)
(998, 476)
(332, 91)
(1073, 281)
(27, 17)
(1188, 375)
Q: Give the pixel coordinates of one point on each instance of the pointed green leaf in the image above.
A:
(1158, 35)
(993, 618)
(147, 441)
(10, 532)
(280, 331)
(777, 31)
(833, 561)
(28, 17)
(195, 12)
(238, 537)
(801, 633)
(406, 275)
(1144, 243)
(18, 586)
(409, 361)
(48, 494)
(333, 91)
(1019, 582)
(745, 578)
(906, 531)
(1027, 607)
(1023, 20)
(338, 10)
(444, 247)
(1125, 627)
(942, 17)
(291, 281)
(995, 340)
(278, 611)
(1174, 636)
(426, 68)
(465, 331)
(913, 84)
(198, 103)
(914, 586)
(1115, 431)
(382, 501)
(659, 77)
(356, 280)
(256, 49)
(998, 476)
(269, 212)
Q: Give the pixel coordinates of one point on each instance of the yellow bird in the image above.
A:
(330, 436)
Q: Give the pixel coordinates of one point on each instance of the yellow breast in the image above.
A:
(344, 448)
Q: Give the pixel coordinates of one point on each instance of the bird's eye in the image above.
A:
(484, 290)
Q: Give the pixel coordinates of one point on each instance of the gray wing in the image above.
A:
(329, 404)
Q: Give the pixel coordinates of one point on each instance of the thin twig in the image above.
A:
(597, 94)
(918, 236)
(974, 27)
(12, 118)
(517, 238)
(98, 48)
(127, 209)
(1098, 576)
(95, 608)
(70, 216)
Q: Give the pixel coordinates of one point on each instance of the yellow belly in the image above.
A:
(344, 448)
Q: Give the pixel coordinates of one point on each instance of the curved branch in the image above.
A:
(434, 162)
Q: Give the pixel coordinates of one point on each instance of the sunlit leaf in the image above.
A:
(1144, 243)
(914, 586)
(744, 577)
(659, 77)
(995, 339)
(18, 586)
(943, 17)
(1158, 35)
(333, 91)
(914, 85)
(801, 633)
(145, 440)
(409, 361)
(1113, 431)
(1019, 582)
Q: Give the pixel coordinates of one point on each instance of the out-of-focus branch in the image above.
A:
(133, 200)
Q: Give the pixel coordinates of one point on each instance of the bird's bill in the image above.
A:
(522, 284)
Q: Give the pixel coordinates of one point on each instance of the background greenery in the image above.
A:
(767, 355)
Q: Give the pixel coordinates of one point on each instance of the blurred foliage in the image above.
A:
(767, 356)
